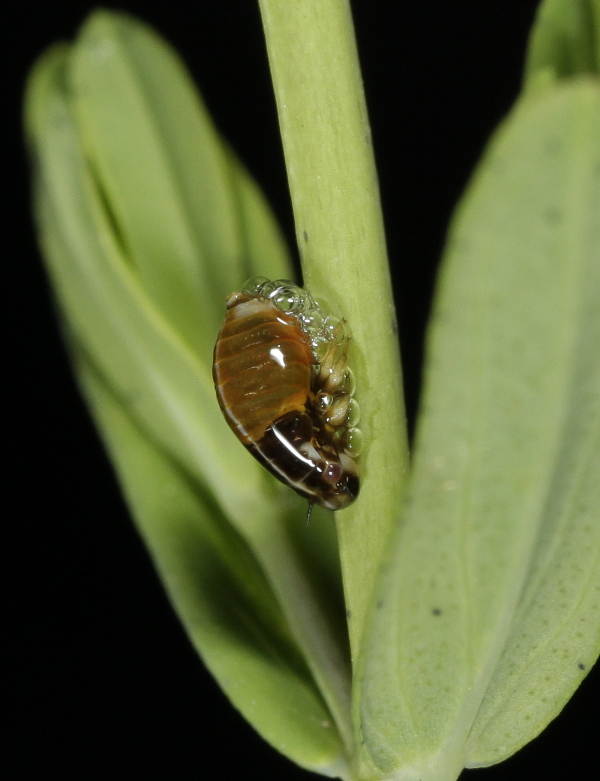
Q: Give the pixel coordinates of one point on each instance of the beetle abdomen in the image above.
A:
(262, 366)
(283, 385)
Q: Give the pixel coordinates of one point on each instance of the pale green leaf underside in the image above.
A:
(217, 590)
(126, 80)
(147, 363)
(173, 188)
(489, 614)
(118, 299)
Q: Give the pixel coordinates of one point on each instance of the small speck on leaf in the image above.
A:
(554, 146)
(461, 245)
(552, 216)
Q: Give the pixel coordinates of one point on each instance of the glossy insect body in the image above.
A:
(288, 406)
(262, 366)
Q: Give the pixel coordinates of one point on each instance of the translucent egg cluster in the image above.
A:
(333, 383)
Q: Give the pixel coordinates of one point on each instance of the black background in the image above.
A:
(103, 681)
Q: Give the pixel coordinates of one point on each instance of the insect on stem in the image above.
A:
(285, 390)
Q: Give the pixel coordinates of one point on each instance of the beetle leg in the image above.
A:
(333, 363)
(338, 412)
(336, 374)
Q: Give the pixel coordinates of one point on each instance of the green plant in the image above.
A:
(473, 591)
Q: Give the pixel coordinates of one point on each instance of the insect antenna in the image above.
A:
(309, 512)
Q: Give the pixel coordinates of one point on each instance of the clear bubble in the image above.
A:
(319, 348)
(353, 441)
(310, 301)
(330, 324)
(353, 416)
(254, 285)
(267, 288)
(311, 320)
(288, 298)
(282, 284)
(334, 329)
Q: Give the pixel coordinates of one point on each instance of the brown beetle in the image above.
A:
(282, 383)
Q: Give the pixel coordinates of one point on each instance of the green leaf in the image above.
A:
(156, 364)
(140, 117)
(564, 41)
(217, 589)
(489, 614)
(167, 388)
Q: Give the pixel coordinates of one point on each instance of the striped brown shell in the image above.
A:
(267, 382)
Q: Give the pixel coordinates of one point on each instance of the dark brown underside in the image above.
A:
(289, 466)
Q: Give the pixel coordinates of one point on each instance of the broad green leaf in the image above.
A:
(153, 363)
(166, 387)
(166, 175)
(490, 606)
(555, 635)
(564, 42)
(264, 247)
(217, 590)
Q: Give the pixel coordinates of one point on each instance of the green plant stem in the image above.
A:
(335, 197)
